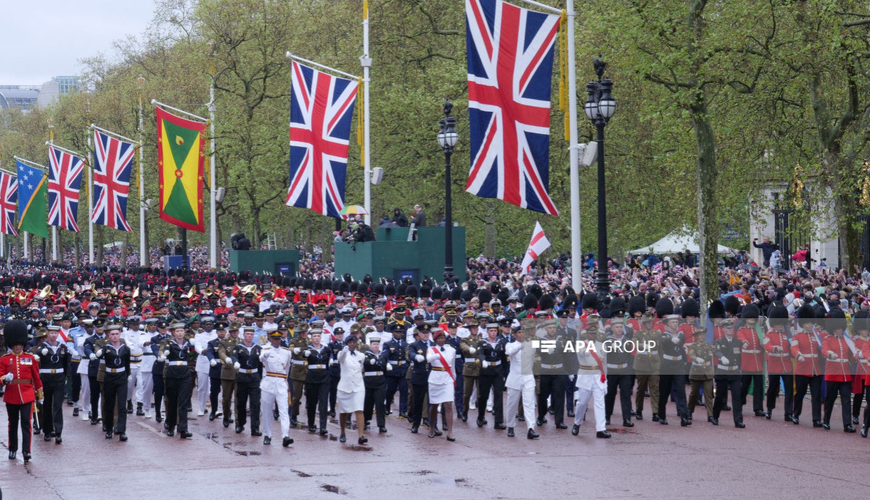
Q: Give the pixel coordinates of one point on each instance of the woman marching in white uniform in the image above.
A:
(351, 390)
(442, 382)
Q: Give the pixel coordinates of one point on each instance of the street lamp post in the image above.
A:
(599, 108)
(447, 138)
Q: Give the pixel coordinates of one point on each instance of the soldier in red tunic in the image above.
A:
(19, 372)
(808, 369)
(752, 361)
(838, 375)
(779, 364)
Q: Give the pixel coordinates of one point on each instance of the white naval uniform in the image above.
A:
(85, 393)
(274, 388)
(520, 382)
(200, 343)
(145, 384)
(133, 339)
(441, 385)
(589, 385)
(351, 391)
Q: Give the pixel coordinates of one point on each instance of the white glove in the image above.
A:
(213, 362)
(296, 350)
(41, 401)
(372, 362)
(161, 358)
(419, 358)
(572, 377)
(237, 366)
(166, 353)
(800, 358)
(93, 357)
(44, 351)
(746, 345)
(228, 361)
(306, 353)
(389, 368)
(551, 350)
(485, 364)
(8, 378)
(675, 339)
(724, 361)
(472, 350)
(99, 353)
(777, 349)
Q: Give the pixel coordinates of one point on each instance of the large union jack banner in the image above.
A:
(321, 116)
(8, 203)
(113, 163)
(64, 181)
(510, 67)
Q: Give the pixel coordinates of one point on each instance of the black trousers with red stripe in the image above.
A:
(19, 413)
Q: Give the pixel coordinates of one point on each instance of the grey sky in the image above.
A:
(46, 38)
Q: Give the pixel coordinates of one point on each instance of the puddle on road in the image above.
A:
(247, 453)
(331, 488)
(300, 473)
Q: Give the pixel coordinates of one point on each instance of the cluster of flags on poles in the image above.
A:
(510, 67)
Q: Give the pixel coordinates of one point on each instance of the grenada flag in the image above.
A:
(180, 158)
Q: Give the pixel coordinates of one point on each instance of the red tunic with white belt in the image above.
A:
(751, 359)
(837, 357)
(25, 382)
(804, 345)
(778, 360)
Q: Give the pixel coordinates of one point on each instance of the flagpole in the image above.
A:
(212, 222)
(321, 66)
(366, 62)
(53, 228)
(144, 257)
(2, 234)
(90, 200)
(576, 251)
(155, 102)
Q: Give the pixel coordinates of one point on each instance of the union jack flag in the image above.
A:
(113, 160)
(510, 67)
(321, 115)
(8, 203)
(64, 182)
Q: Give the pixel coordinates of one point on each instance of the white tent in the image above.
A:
(677, 241)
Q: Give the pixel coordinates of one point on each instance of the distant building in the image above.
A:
(27, 97)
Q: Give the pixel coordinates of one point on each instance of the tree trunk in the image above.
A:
(255, 228)
(708, 211)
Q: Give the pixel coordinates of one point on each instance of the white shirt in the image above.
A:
(521, 373)
(438, 377)
(351, 371)
(275, 361)
(266, 304)
(200, 343)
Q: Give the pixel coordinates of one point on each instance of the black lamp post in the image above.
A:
(599, 108)
(447, 138)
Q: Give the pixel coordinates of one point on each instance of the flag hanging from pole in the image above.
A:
(510, 69)
(8, 202)
(32, 200)
(64, 181)
(180, 162)
(321, 116)
(537, 246)
(113, 164)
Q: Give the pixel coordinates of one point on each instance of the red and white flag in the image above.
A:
(537, 246)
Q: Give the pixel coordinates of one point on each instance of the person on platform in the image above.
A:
(351, 390)
(19, 373)
(442, 382)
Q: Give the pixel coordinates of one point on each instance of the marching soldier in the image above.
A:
(145, 383)
(591, 379)
(215, 367)
(646, 366)
(228, 373)
(396, 351)
(552, 359)
(375, 367)
(838, 376)
(673, 368)
(134, 339)
(701, 372)
(95, 366)
(249, 372)
(491, 353)
(298, 372)
(317, 377)
(779, 364)
(805, 349)
(419, 375)
(175, 353)
(470, 370)
(19, 373)
(117, 357)
(727, 351)
(53, 359)
(752, 362)
(273, 388)
(335, 347)
(618, 372)
(520, 383)
(159, 367)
